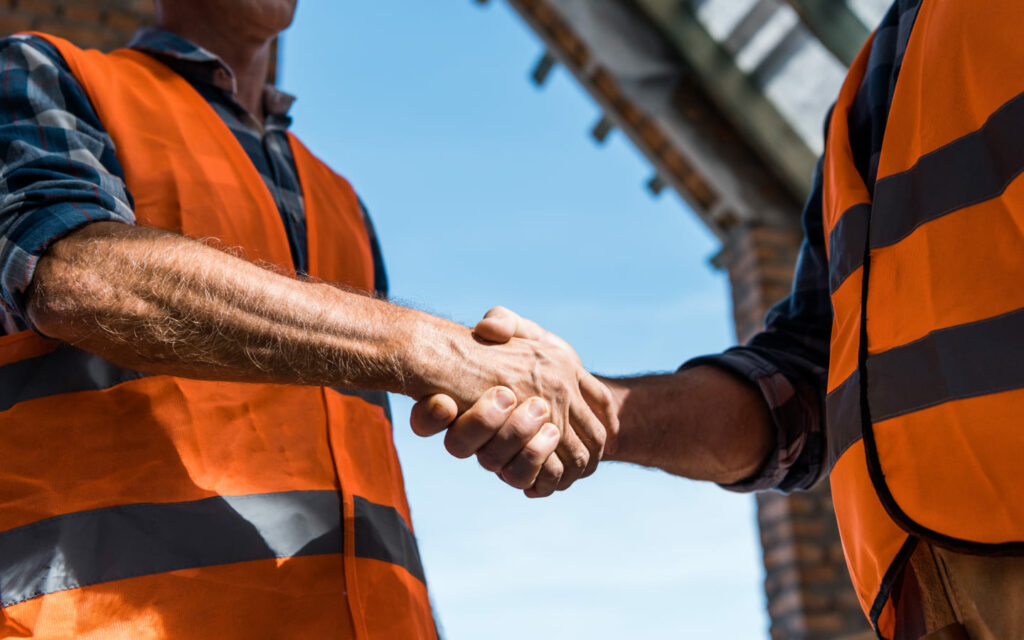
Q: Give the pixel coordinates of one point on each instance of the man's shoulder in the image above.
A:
(31, 51)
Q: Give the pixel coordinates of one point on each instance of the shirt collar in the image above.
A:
(199, 65)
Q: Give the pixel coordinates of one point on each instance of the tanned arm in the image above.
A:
(160, 302)
(163, 303)
(701, 423)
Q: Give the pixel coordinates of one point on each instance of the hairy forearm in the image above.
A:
(701, 423)
(163, 303)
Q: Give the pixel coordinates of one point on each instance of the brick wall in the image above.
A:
(808, 587)
(102, 24)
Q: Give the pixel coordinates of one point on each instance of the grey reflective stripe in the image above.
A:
(965, 361)
(842, 411)
(90, 547)
(381, 534)
(379, 398)
(971, 169)
(65, 370)
(846, 244)
(116, 543)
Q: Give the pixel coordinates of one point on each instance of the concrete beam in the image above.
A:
(737, 95)
(835, 25)
(647, 92)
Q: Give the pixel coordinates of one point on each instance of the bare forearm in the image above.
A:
(701, 423)
(160, 302)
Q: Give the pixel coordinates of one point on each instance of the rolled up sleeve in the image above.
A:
(59, 169)
(788, 364)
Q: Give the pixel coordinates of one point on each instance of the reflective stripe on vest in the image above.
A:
(117, 543)
(135, 505)
(926, 386)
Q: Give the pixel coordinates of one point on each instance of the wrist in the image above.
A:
(701, 423)
(627, 444)
(433, 354)
(386, 346)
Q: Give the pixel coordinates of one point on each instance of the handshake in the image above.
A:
(521, 401)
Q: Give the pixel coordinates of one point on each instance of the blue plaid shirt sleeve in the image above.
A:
(788, 364)
(59, 171)
(788, 361)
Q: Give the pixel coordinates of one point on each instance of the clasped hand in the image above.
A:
(541, 426)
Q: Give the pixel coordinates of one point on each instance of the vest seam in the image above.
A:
(874, 467)
(894, 571)
(877, 474)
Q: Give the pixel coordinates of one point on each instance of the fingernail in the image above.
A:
(538, 408)
(504, 399)
(439, 412)
(549, 431)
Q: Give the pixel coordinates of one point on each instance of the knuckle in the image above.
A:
(456, 449)
(550, 477)
(519, 431)
(489, 460)
(566, 483)
(608, 401)
(488, 419)
(519, 480)
(457, 445)
(472, 419)
(579, 459)
(541, 493)
(533, 455)
(486, 426)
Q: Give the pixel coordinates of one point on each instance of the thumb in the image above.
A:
(499, 325)
(432, 415)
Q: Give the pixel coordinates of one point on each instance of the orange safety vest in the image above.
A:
(150, 506)
(925, 399)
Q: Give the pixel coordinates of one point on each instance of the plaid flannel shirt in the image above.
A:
(788, 361)
(59, 167)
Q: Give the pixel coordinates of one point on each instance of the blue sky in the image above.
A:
(486, 190)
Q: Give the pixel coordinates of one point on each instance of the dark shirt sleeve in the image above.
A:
(788, 363)
(58, 171)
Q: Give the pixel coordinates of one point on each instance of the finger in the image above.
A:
(524, 468)
(594, 418)
(601, 401)
(548, 478)
(574, 457)
(520, 427)
(530, 330)
(526, 328)
(590, 432)
(498, 325)
(506, 324)
(432, 415)
(477, 425)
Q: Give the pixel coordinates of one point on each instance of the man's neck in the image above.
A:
(248, 58)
